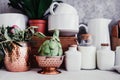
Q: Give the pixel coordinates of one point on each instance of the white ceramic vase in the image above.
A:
(88, 54)
(65, 18)
(105, 58)
(10, 19)
(73, 59)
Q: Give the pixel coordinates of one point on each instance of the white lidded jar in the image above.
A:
(117, 56)
(73, 59)
(105, 57)
(88, 52)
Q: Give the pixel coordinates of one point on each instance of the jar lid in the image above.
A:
(104, 44)
(73, 45)
(85, 36)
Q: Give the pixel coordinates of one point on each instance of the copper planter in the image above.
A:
(17, 60)
(49, 65)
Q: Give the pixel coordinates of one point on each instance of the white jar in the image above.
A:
(73, 59)
(105, 58)
(117, 56)
(88, 54)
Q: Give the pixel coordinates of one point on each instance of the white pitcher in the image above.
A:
(99, 29)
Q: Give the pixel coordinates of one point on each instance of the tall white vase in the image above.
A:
(10, 19)
(99, 29)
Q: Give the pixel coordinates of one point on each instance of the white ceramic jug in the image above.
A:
(99, 29)
(10, 19)
(65, 18)
(62, 8)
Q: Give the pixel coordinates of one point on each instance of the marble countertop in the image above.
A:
(65, 75)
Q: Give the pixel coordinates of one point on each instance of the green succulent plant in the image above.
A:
(51, 47)
(34, 9)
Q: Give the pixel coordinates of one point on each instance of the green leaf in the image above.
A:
(39, 34)
(34, 9)
(43, 6)
(6, 36)
(17, 43)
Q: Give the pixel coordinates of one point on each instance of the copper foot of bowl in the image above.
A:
(49, 70)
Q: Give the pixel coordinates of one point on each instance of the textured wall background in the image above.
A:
(87, 9)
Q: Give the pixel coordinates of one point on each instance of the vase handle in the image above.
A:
(52, 7)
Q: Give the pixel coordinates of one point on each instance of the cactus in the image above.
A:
(51, 47)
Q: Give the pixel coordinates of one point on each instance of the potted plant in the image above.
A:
(13, 43)
(49, 55)
(34, 9)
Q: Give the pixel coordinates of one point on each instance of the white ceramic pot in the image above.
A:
(64, 18)
(73, 59)
(9, 19)
(105, 58)
(99, 29)
(88, 54)
(65, 22)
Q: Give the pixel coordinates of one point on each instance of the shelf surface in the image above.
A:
(65, 75)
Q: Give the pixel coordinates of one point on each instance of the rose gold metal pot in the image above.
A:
(49, 65)
(17, 60)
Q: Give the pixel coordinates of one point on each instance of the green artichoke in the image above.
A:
(51, 47)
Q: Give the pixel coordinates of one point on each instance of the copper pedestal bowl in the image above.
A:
(50, 64)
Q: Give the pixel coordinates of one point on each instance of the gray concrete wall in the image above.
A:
(87, 9)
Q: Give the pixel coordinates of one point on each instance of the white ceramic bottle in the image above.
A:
(73, 59)
(88, 52)
(117, 56)
(105, 58)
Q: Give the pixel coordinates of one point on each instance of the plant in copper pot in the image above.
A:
(49, 55)
(14, 44)
(34, 9)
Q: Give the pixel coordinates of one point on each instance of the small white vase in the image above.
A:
(105, 58)
(73, 59)
(88, 54)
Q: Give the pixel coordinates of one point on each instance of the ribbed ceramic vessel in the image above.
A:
(17, 60)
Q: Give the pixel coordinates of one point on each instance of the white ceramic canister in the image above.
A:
(105, 58)
(88, 54)
(117, 56)
(10, 19)
(73, 59)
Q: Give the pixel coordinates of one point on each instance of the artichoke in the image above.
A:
(51, 47)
